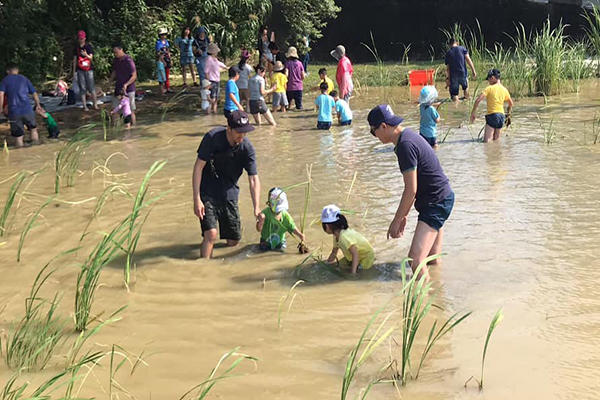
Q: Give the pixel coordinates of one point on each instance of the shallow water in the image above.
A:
(523, 236)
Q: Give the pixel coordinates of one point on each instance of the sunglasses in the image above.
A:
(374, 129)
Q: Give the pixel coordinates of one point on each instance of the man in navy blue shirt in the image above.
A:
(425, 185)
(20, 113)
(223, 155)
(456, 70)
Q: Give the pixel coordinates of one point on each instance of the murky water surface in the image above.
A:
(524, 235)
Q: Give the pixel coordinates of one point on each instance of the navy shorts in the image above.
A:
(325, 126)
(431, 140)
(495, 120)
(455, 82)
(435, 215)
(349, 122)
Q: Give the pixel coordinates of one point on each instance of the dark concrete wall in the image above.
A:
(398, 22)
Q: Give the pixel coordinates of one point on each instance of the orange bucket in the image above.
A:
(421, 77)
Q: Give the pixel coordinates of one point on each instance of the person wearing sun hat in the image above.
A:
(164, 46)
(425, 185)
(295, 73)
(344, 72)
(280, 80)
(213, 68)
(275, 222)
(223, 155)
(429, 115)
(358, 252)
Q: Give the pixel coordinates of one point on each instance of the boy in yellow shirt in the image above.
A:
(496, 95)
(327, 80)
(280, 101)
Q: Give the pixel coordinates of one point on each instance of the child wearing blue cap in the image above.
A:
(429, 115)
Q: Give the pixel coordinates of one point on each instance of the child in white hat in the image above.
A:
(429, 115)
(205, 94)
(358, 252)
(275, 222)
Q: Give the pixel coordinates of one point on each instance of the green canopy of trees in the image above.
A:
(39, 35)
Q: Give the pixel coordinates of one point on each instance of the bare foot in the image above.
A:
(96, 107)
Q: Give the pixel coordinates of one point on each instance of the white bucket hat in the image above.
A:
(205, 83)
(428, 95)
(330, 214)
(163, 31)
(278, 200)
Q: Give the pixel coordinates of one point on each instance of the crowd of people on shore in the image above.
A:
(225, 151)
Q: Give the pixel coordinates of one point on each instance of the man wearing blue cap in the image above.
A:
(223, 155)
(425, 185)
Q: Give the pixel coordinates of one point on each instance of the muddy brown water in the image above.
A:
(524, 236)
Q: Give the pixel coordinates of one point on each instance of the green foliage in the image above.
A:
(5, 219)
(306, 18)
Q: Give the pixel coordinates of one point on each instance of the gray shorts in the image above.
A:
(85, 80)
(280, 99)
(131, 95)
(18, 123)
(214, 90)
(258, 107)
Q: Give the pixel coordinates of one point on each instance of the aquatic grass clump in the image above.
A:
(135, 226)
(35, 339)
(5, 219)
(549, 51)
(179, 100)
(29, 224)
(577, 66)
(592, 31)
(382, 78)
(203, 389)
(66, 162)
(498, 317)
(547, 130)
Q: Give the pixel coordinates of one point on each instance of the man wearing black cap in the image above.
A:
(496, 95)
(425, 185)
(222, 156)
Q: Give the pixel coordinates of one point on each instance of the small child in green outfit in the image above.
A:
(275, 222)
(51, 125)
(358, 252)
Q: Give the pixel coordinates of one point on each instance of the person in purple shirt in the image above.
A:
(425, 185)
(296, 75)
(17, 89)
(124, 75)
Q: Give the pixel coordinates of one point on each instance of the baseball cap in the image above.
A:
(278, 200)
(238, 120)
(383, 113)
(330, 214)
(493, 72)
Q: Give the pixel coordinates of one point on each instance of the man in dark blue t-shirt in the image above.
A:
(223, 155)
(425, 185)
(20, 113)
(456, 70)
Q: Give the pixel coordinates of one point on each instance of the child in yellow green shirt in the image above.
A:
(358, 252)
(496, 95)
(327, 80)
(280, 79)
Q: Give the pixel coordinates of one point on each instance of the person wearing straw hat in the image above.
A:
(425, 185)
(223, 155)
(280, 80)
(205, 95)
(213, 70)
(163, 46)
(295, 73)
(344, 72)
(429, 115)
(275, 222)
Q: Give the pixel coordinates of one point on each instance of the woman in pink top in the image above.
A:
(344, 72)
(212, 69)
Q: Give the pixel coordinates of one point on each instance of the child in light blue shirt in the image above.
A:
(325, 106)
(342, 108)
(429, 115)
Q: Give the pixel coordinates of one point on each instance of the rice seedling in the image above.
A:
(302, 248)
(35, 339)
(577, 67)
(5, 219)
(592, 31)
(105, 118)
(203, 388)
(405, 51)
(89, 275)
(29, 224)
(351, 186)
(176, 101)
(596, 128)
(367, 345)
(383, 76)
(548, 130)
(134, 226)
(106, 195)
(67, 160)
(493, 325)
(283, 301)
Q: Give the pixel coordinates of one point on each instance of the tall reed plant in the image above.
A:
(382, 78)
(66, 162)
(550, 51)
(592, 32)
(5, 217)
